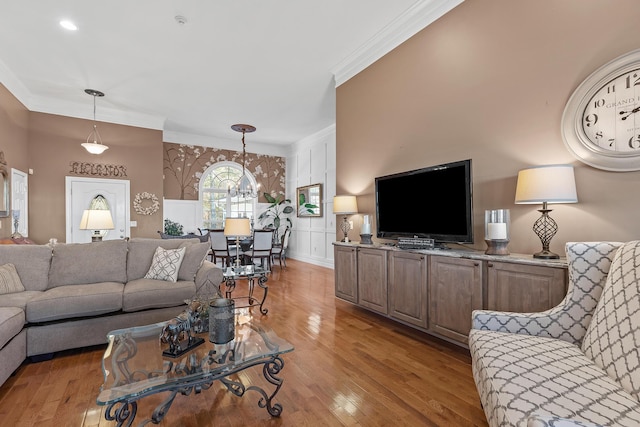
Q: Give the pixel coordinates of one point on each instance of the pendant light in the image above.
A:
(243, 187)
(95, 147)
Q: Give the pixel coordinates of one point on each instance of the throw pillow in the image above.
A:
(166, 264)
(9, 279)
(193, 258)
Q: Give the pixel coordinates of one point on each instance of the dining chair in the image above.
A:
(220, 248)
(279, 251)
(261, 248)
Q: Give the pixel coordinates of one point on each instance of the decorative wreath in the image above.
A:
(150, 210)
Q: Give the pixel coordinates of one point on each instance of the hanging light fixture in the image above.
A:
(243, 187)
(95, 147)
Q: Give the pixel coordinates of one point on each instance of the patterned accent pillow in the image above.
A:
(9, 280)
(166, 264)
(613, 336)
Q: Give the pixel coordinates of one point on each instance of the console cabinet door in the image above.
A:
(408, 288)
(346, 272)
(524, 288)
(455, 290)
(372, 279)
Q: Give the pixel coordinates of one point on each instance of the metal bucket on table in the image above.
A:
(221, 320)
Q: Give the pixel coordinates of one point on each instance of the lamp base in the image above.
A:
(497, 247)
(96, 238)
(544, 254)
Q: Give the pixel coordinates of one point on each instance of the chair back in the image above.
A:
(285, 238)
(218, 240)
(262, 241)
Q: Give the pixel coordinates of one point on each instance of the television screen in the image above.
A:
(433, 202)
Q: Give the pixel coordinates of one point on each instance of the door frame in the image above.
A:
(69, 201)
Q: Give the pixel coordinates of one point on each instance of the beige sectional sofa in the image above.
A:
(74, 294)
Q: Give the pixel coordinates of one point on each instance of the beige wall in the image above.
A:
(489, 81)
(14, 122)
(54, 142)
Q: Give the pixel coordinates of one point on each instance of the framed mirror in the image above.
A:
(4, 187)
(309, 200)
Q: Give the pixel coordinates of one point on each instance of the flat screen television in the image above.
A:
(434, 202)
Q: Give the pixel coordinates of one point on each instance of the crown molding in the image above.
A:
(413, 20)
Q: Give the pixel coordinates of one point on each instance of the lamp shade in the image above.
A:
(551, 184)
(96, 219)
(237, 227)
(345, 205)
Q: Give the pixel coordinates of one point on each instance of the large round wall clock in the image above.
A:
(601, 121)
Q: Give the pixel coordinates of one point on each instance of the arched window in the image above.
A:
(217, 203)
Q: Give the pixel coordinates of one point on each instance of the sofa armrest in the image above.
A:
(536, 420)
(208, 279)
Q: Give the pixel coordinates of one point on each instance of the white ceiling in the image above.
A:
(269, 63)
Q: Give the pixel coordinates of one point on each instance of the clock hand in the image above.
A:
(628, 113)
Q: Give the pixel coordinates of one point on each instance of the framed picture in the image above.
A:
(310, 200)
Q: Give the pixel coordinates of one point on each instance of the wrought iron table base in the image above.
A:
(230, 285)
(124, 412)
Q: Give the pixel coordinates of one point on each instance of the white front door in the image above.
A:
(79, 194)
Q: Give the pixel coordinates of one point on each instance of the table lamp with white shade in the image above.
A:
(96, 220)
(546, 184)
(238, 227)
(345, 205)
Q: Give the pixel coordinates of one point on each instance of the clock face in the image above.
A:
(601, 121)
(611, 118)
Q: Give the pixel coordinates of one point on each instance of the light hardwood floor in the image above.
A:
(349, 368)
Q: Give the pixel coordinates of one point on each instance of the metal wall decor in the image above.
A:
(97, 169)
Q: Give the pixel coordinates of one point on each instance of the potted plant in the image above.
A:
(277, 214)
(172, 228)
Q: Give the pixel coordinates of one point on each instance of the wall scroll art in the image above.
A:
(141, 198)
(97, 169)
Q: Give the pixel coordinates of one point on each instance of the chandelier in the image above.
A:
(243, 187)
(95, 147)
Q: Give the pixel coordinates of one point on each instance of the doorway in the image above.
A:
(80, 192)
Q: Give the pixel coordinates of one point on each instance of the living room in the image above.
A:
(487, 81)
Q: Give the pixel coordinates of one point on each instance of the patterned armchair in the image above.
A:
(577, 364)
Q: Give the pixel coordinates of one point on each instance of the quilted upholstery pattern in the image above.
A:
(521, 375)
(613, 337)
(589, 264)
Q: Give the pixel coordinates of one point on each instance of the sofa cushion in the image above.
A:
(194, 256)
(63, 302)
(12, 321)
(83, 263)
(520, 375)
(18, 299)
(165, 264)
(32, 264)
(142, 294)
(613, 336)
(9, 280)
(141, 251)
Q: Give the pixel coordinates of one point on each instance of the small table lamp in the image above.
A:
(345, 205)
(96, 219)
(237, 227)
(546, 184)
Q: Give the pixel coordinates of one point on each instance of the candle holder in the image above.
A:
(365, 239)
(496, 231)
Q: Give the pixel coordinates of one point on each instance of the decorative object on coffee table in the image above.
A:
(345, 205)
(221, 320)
(178, 334)
(546, 184)
(496, 231)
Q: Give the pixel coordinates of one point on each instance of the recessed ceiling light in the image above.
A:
(65, 23)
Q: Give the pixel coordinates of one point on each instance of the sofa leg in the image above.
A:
(41, 357)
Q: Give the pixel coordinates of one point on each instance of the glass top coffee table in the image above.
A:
(134, 367)
(251, 273)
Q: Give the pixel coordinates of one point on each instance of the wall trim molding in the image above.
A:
(413, 20)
